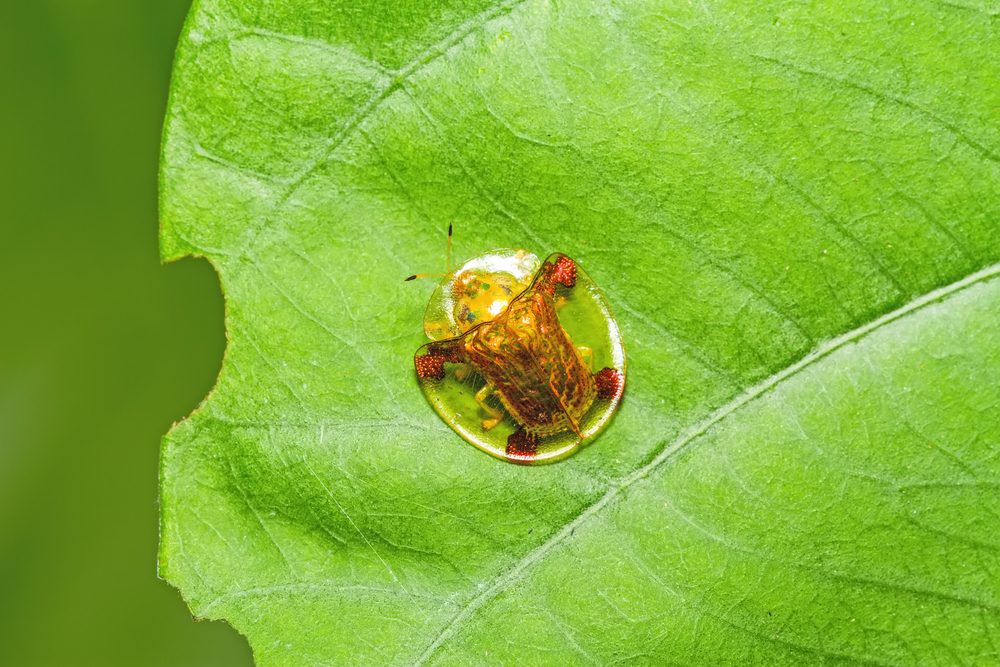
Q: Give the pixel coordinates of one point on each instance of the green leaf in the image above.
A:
(794, 210)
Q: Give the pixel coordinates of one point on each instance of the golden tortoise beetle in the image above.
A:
(514, 342)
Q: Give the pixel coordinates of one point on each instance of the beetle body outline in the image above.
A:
(521, 350)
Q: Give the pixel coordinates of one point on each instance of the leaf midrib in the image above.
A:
(667, 449)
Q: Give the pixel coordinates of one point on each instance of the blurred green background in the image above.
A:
(101, 347)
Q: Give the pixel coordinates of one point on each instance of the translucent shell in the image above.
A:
(526, 361)
(479, 290)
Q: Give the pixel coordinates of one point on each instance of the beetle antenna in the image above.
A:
(424, 275)
(447, 269)
(448, 252)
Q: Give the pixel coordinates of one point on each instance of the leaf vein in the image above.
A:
(919, 109)
(401, 75)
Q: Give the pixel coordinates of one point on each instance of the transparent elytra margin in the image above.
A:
(586, 317)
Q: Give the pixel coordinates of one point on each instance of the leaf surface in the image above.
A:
(794, 212)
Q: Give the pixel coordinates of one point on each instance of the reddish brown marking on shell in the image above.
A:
(449, 351)
(564, 271)
(521, 446)
(609, 382)
(429, 366)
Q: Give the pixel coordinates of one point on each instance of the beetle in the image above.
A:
(498, 321)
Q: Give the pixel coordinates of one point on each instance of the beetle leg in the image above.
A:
(587, 354)
(495, 415)
(462, 372)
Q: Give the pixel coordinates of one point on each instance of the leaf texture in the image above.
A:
(792, 209)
